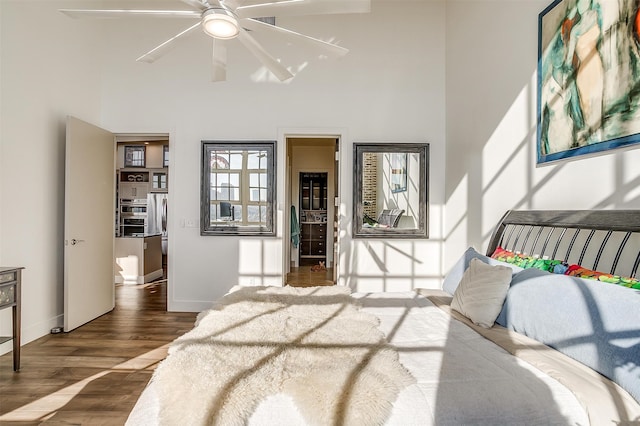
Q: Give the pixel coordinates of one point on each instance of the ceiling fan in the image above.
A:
(228, 19)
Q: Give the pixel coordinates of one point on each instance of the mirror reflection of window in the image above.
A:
(390, 183)
(397, 171)
(237, 188)
(391, 190)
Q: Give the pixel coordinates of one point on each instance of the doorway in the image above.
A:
(142, 200)
(312, 182)
(90, 240)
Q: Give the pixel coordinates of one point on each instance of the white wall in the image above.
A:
(48, 70)
(385, 89)
(456, 71)
(491, 130)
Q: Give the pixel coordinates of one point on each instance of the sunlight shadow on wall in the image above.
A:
(394, 266)
(259, 262)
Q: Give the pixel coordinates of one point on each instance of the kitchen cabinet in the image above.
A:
(134, 156)
(159, 180)
(134, 188)
(150, 155)
(133, 184)
(138, 260)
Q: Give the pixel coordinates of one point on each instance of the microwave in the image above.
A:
(133, 210)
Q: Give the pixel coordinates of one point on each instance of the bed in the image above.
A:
(542, 328)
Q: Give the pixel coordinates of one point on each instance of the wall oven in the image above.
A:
(133, 217)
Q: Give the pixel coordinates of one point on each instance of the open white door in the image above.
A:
(336, 213)
(89, 289)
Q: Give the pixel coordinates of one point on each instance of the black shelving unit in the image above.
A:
(313, 218)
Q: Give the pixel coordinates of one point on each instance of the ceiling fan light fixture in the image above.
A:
(220, 23)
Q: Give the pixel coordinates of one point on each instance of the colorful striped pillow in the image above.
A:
(523, 261)
(580, 272)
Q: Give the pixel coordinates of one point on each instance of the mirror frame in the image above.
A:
(359, 231)
(269, 229)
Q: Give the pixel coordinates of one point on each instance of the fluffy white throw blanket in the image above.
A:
(313, 344)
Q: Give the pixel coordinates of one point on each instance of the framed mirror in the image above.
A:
(237, 188)
(390, 190)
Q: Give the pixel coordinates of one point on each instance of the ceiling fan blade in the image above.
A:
(237, 3)
(233, 4)
(310, 42)
(219, 62)
(303, 7)
(157, 52)
(267, 60)
(129, 13)
(196, 4)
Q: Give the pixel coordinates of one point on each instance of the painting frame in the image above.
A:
(582, 41)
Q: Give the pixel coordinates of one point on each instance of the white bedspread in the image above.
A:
(461, 378)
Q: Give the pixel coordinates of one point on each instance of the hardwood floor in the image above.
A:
(305, 277)
(94, 374)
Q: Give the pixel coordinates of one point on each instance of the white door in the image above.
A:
(336, 213)
(88, 223)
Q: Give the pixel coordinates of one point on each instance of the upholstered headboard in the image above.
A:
(604, 240)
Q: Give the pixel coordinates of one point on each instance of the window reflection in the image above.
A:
(391, 190)
(238, 181)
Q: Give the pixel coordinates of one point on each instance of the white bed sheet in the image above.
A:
(461, 378)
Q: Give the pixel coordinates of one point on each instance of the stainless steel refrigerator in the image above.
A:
(157, 216)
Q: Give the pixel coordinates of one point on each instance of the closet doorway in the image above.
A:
(312, 183)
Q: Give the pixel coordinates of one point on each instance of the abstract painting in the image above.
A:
(588, 78)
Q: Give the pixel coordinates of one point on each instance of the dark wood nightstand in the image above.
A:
(10, 295)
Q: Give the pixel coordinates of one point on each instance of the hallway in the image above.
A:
(305, 277)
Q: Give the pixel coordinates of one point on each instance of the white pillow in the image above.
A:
(481, 292)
